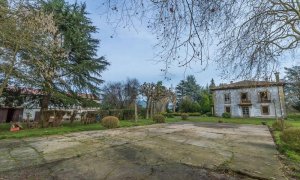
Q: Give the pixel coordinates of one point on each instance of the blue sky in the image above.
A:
(132, 54)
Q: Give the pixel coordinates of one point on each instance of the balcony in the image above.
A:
(245, 102)
(264, 101)
(227, 102)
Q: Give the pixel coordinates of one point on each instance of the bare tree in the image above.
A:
(121, 95)
(146, 90)
(157, 97)
(249, 35)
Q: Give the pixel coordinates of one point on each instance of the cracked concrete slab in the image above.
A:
(163, 151)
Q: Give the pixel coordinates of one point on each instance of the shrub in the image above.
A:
(226, 115)
(128, 114)
(176, 113)
(291, 138)
(194, 114)
(142, 112)
(209, 114)
(168, 115)
(91, 117)
(110, 122)
(116, 112)
(279, 127)
(159, 118)
(103, 113)
(184, 116)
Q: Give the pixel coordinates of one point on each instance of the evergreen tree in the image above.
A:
(212, 83)
(71, 67)
(292, 87)
(188, 87)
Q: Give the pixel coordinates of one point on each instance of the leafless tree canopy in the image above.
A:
(249, 35)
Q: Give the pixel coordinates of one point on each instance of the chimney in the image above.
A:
(277, 76)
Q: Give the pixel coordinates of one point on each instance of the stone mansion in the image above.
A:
(250, 99)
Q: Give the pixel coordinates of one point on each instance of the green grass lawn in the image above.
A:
(254, 121)
(63, 129)
(77, 126)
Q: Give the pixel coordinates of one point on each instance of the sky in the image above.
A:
(131, 54)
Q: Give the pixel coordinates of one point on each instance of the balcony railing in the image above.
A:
(227, 102)
(264, 101)
(245, 101)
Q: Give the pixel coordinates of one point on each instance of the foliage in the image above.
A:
(128, 114)
(24, 30)
(103, 113)
(70, 67)
(280, 125)
(205, 101)
(56, 114)
(179, 114)
(192, 97)
(291, 138)
(168, 115)
(184, 116)
(121, 114)
(226, 115)
(212, 83)
(188, 88)
(187, 105)
(251, 35)
(209, 114)
(157, 97)
(117, 113)
(110, 122)
(158, 118)
(292, 87)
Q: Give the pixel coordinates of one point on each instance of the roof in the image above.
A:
(32, 91)
(247, 84)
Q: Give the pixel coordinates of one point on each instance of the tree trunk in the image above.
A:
(152, 109)
(174, 106)
(5, 82)
(44, 107)
(148, 107)
(135, 111)
(7, 75)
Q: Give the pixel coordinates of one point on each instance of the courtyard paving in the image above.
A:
(162, 151)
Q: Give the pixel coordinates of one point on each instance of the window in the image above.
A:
(227, 109)
(244, 96)
(227, 98)
(264, 96)
(265, 110)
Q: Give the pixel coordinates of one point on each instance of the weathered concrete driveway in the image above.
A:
(163, 151)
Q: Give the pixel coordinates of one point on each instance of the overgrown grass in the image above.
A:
(292, 159)
(254, 121)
